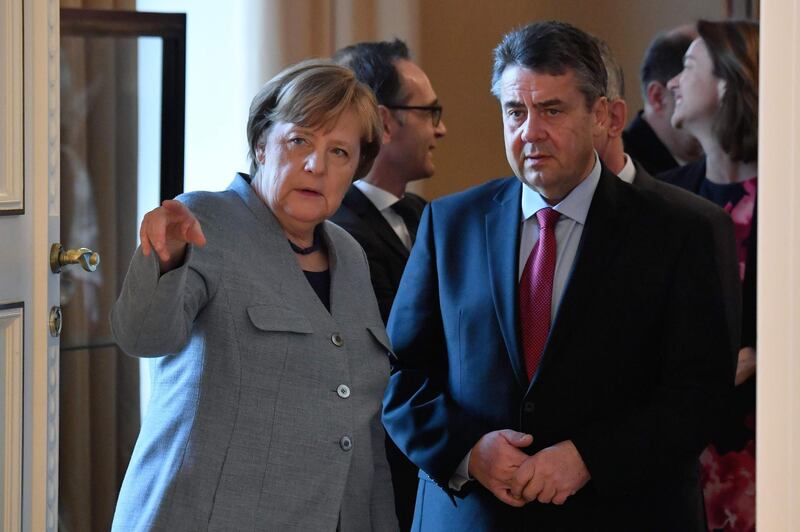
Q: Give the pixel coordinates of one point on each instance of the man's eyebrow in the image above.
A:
(512, 104)
(549, 103)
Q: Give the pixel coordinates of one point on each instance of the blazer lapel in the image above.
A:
(600, 240)
(289, 281)
(366, 210)
(502, 244)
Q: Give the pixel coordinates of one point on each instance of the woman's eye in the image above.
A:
(297, 141)
(339, 152)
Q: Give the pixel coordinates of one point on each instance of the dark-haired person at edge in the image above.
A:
(651, 138)
(378, 210)
(560, 337)
(269, 355)
(716, 100)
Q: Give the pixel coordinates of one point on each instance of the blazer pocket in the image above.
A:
(380, 336)
(278, 319)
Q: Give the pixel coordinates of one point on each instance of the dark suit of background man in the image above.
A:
(377, 210)
(609, 146)
(650, 138)
(600, 429)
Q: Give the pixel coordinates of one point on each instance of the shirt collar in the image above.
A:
(628, 172)
(575, 205)
(379, 197)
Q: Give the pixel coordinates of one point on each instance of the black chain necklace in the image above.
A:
(315, 246)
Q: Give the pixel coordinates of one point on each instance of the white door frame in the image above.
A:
(778, 400)
(42, 174)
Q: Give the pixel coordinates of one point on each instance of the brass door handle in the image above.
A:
(88, 259)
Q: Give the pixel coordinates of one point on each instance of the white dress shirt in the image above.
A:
(573, 209)
(383, 201)
(628, 172)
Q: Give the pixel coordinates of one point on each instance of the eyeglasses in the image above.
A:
(434, 110)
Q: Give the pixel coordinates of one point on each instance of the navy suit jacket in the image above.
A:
(635, 363)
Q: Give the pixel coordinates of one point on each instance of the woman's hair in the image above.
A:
(315, 93)
(733, 46)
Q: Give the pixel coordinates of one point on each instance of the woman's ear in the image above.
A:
(721, 87)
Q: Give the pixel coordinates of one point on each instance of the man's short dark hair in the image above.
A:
(553, 48)
(374, 65)
(663, 59)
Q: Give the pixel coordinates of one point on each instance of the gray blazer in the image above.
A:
(265, 408)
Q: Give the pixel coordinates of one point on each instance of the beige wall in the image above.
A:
(456, 38)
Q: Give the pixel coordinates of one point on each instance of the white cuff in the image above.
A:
(461, 476)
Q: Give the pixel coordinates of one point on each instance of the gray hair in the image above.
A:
(615, 88)
(553, 48)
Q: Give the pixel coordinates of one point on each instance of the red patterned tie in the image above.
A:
(536, 291)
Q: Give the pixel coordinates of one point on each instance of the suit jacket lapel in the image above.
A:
(366, 210)
(602, 236)
(502, 245)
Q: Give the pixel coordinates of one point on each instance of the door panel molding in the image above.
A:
(12, 178)
(11, 359)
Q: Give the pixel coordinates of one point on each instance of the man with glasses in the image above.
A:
(377, 210)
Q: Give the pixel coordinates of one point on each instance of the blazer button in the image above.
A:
(336, 338)
(528, 407)
(343, 391)
(346, 443)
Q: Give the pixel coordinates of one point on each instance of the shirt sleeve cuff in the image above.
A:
(461, 476)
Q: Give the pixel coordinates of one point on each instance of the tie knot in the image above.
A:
(404, 204)
(547, 218)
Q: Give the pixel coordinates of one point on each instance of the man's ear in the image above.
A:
(617, 117)
(600, 111)
(260, 153)
(388, 123)
(656, 94)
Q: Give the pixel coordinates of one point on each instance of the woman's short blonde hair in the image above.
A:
(315, 93)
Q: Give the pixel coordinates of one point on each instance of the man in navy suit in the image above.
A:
(599, 425)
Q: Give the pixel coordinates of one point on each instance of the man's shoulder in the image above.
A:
(674, 208)
(681, 198)
(417, 200)
(353, 206)
(688, 176)
(494, 191)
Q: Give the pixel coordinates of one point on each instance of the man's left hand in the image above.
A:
(551, 475)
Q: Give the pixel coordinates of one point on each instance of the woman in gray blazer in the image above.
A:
(269, 353)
